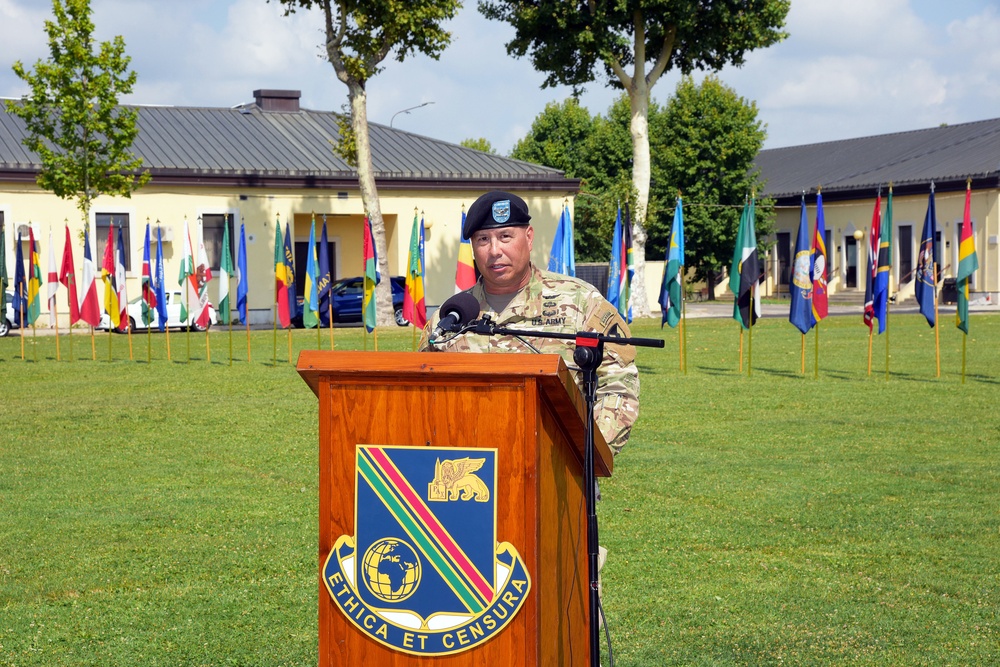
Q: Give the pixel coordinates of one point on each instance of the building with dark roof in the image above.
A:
(270, 161)
(851, 173)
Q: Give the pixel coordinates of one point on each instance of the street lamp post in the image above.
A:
(407, 111)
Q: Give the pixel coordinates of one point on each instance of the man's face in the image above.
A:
(504, 257)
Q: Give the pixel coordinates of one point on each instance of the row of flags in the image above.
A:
(84, 304)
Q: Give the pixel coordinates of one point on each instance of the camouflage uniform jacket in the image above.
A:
(556, 303)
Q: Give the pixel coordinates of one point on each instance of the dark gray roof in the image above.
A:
(248, 146)
(941, 154)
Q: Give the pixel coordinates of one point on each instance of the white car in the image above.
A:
(7, 321)
(174, 301)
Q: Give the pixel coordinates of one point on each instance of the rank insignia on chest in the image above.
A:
(424, 573)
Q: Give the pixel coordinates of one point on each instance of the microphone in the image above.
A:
(456, 312)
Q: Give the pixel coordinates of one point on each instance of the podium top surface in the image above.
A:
(549, 369)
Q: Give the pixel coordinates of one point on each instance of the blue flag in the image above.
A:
(159, 283)
(671, 296)
(20, 301)
(800, 283)
(926, 285)
(614, 273)
(310, 295)
(325, 280)
(289, 261)
(242, 289)
(561, 259)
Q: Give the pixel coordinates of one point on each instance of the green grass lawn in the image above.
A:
(164, 513)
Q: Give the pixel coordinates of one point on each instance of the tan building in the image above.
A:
(256, 164)
(852, 171)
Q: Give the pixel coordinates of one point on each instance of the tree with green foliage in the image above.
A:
(710, 139)
(481, 144)
(75, 125)
(571, 41)
(360, 35)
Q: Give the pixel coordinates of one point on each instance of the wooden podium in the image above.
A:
(525, 407)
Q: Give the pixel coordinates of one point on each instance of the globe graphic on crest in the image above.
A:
(391, 569)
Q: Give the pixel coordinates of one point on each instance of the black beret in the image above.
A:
(495, 209)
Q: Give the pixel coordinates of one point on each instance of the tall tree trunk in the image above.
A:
(369, 196)
(639, 126)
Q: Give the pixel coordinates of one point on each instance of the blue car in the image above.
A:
(348, 294)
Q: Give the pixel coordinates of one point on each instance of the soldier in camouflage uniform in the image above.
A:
(517, 295)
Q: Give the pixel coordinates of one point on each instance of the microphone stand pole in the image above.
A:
(588, 355)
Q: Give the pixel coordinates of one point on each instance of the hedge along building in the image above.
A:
(259, 162)
(850, 173)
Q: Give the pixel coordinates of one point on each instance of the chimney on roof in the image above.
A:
(281, 101)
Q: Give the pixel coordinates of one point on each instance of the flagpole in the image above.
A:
(887, 335)
(187, 308)
(166, 330)
(741, 349)
(750, 334)
(111, 327)
(230, 340)
(871, 336)
(69, 333)
(289, 344)
(34, 343)
(149, 342)
(275, 363)
(329, 305)
(803, 354)
(248, 338)
(208, 346)
(965, 339)
(816, 353)
(93, 345)
(937, 329)
(58, 354)
(682, 333)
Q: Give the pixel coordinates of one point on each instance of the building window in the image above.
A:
(102, 223)
(213, 226)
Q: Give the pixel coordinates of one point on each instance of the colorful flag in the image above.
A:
(819, 262)
(203, 273)
(34, 279)
(3, 270)
(160, 282)
(52, 284)
(90, 306)
(242, 288)
(884, 265)
(465, 273)
(225, 271)
(874, 239)
(562, 258)
(325, 279)
(148, 293)
(800, 285)
(108, 275)
(670, 291)
(622, 269)
(371, 277)
(67, 276)
(310, 294)
(926, 285)
(745, 272)
(281, 280)
(20, 284)
(414, 308)
(968, 263)
(120, 282)
(289, 261)
(187, 278)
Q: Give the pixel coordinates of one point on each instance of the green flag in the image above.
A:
(225, 271)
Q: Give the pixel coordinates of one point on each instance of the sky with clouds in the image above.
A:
(849, 68)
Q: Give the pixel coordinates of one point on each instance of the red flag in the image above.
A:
(67, 276)
(90, 307)
(108, 275)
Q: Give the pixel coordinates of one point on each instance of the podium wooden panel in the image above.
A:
(525, 406)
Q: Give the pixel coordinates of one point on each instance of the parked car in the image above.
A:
(174, 301)
(8, 319)
(348, 295)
